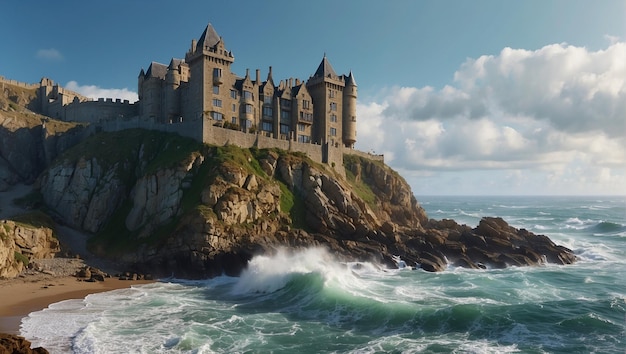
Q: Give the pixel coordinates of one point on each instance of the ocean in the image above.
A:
(310, 303)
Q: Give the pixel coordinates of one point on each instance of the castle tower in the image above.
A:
(349, 111)
(172, 94)
(268, 103)
(326, 90)
(211, 83)
(140, 82)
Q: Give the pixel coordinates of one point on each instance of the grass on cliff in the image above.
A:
(115, 238)
(35, 218)
(21, 258)
(134, 152)
(360, 187)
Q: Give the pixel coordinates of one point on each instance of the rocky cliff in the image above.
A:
(29, 141)
(24, 239)
(174, 206)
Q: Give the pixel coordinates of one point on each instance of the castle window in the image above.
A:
(301, 127)
(267, 99)
(233, 120)
(333, 132)
(304, 139)
(217, 72)
(268, 111)
(246, 123)
(266, 126)
(216, 90)
(233, 94)
(284, 129)
(249, 108)
(306, 104)
(217, 116)
(217, 102)
(285, 103)
(248, 95)
(234, 107)
(333, 117)
(284, 115)
(333, 106)
(308, 117)
(331, 94)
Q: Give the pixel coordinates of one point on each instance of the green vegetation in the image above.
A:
(138, 152)
(294, 206)
(21, 258)
(35, 218)
(32, 200)
(359, 186)
(128, 150)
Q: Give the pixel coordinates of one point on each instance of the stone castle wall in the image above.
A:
(4, 81)
(100, 110)
(215, 135)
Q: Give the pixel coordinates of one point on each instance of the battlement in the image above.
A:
(4, 81)
(201, 98)
(110, 100)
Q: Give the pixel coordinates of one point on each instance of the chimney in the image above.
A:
(258, 76)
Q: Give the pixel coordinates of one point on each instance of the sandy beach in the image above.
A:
(23, 295)
(34, 290)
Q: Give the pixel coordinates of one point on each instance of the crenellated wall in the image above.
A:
(4, 81)
(100, 110)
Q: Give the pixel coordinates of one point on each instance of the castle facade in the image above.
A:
(200, 97)
(202, 90)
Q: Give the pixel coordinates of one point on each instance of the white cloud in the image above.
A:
(49, 54)
(96, 92)
(556, 115)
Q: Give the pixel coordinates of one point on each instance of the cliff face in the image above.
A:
(21, 242)
(173, 206)
(29, 141)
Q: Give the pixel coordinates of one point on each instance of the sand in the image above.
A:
(35, 290)
(21, 296)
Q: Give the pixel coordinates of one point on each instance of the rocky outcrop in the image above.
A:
(29, 142)
(14, 344)
(19, 243)
(209, 210)
(83, 193)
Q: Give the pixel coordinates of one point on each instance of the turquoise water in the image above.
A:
(310, 303)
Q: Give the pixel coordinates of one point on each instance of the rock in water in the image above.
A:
(10, 343)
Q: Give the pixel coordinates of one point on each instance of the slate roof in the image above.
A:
(209, 37)
(175, 63)
(325, 69)
(157, 70)
(350, 79)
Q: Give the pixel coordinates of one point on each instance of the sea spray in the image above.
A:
(307, 302)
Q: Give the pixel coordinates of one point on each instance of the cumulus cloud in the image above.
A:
(559, 111)
(96, 92)
(49, 54)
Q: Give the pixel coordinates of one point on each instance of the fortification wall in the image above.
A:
(4, 81)
(363, 154)
(101, 110)
(183, 129)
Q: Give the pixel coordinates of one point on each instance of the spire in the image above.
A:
(325, 69)
(350, 79)
(209, 37)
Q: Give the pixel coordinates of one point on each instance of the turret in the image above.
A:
(349, 111)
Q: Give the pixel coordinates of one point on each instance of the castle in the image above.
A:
(200, 97)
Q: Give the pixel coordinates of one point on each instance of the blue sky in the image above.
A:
(462, 97)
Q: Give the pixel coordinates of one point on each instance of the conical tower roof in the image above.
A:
(209, 37)
(325, 69)
(350, 79)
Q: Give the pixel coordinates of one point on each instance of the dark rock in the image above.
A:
(14, 344)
